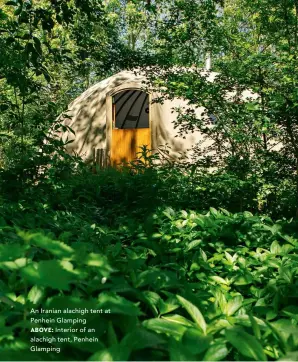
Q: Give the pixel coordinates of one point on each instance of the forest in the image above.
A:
(158, 259)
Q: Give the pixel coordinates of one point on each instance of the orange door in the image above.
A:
(126, 144)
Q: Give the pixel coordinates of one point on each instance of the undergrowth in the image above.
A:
(183, 281)
(182, 285)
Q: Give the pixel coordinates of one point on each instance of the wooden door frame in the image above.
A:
(109, 115)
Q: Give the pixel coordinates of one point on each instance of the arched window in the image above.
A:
(131, 109)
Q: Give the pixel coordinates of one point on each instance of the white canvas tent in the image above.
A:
(116, 117)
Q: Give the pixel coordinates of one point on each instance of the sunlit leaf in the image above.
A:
(49, 274)
(217, 352)
(164, 326)
(194, 312)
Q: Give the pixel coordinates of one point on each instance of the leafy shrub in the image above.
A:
(181, 285)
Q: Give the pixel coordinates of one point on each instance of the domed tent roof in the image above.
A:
(86, 115)
(89, 116)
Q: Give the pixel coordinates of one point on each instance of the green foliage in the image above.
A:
(211, 286)
(50, 52)
(250, 103)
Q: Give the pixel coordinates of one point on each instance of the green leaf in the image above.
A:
(178, 352)
(218, 279)
(193, 244)
(224, 211)
(291, 311)
(178, 319)
(4, 330)
(275, 248)
(246, 344)
(48, 273)
(71, 302)
(214, 212)
(244, 279)
(203, 255)
(112, 337)
(14, 265)
(194, 313)
(57, 248)
(169, 213)
(156, 276)
(285, 329)
(195, 341)
(252, 106)
(287, 274)
(229, 257)
(167, 306)
(200, 222)
(255, 326)
(163, 326)
(97, 261)
(290, 356)
(290, 240)
(6, 300)
(11, 252)
(36, 294)
(184, 214)
(217, 352)
(152, 299)
(118, 305)
(233, 305)
(141, 338)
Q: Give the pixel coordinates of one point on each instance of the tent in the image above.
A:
(116, 116)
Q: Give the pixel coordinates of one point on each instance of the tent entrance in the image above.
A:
(131, 125)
